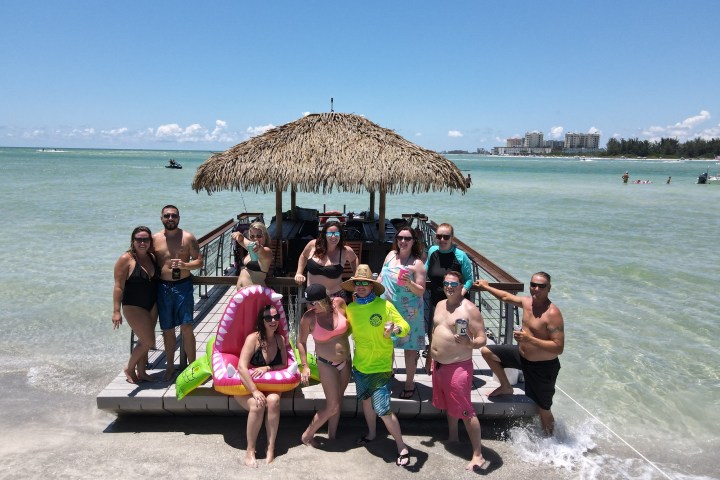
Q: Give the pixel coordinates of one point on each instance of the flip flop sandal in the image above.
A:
(407, 394)
(403, 460)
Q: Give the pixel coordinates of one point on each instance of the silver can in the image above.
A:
(461, 326)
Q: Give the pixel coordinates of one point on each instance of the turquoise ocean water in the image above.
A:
(635, 273)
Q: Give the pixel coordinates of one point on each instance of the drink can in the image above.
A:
(251, 251)
(517, 328)
(461, 326)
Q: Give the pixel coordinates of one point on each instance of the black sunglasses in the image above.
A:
(403, 238)
(272, 318)
(142, 239)
(170, 215)
(440, 236)
(538, 285)
(361, 283)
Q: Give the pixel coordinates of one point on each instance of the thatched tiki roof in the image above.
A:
(320, 152)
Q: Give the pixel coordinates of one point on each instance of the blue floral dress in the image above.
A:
(410, 306)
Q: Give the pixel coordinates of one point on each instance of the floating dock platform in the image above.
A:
(158, 398)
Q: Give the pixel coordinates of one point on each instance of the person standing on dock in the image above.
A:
(540, 341)
(403, 276)
(178, 252)
(136, 277)
(325, 320)
(443, 258)
(325, 258)
(374, 321)
(458, 329)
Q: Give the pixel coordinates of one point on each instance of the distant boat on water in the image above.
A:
(173, 164)
(50, 150)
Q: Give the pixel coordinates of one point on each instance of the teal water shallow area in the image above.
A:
(634, 272)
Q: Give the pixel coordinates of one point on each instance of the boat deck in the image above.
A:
(158, 398)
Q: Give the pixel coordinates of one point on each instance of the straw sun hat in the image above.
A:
(363, 272)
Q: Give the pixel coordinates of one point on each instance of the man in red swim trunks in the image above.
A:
(452, 366)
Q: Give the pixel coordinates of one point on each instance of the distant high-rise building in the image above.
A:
(514, 142)
(577, 142)
(533, 140)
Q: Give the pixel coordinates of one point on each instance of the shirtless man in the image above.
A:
(540, 341)
(452, 366)
(176, 248)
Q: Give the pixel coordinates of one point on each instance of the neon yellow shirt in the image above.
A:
(373, 352)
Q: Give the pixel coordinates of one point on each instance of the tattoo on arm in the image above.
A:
(559, 328)
(195, 246)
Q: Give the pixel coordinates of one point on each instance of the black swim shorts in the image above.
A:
(539, 376)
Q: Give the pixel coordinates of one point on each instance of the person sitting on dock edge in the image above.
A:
(539, 343)
(458, 329)
(373, 321)
(178, 252)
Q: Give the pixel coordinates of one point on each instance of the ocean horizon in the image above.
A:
(633, 271)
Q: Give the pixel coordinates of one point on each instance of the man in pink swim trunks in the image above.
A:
(452, 367)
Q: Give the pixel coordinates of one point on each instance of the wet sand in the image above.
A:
(214, 447)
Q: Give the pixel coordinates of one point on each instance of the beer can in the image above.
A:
(461, 326)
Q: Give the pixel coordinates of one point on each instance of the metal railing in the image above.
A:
(499, 316)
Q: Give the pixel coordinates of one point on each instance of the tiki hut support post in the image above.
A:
(371, 211)
(293, 194)
(381, 219)
(278, 212)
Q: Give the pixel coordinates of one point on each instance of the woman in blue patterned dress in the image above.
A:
(403, 276)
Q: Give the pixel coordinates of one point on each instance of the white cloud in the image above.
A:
(418, 134)
(556, 132)
(595, 130)
(455, 134)
(683, 130)
(115, 132)
(259, 130)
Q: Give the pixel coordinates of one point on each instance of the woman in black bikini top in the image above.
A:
(319, 257)
(255, 354)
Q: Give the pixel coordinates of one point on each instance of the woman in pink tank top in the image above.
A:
(325, 320)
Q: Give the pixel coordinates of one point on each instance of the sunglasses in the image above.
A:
(255, 236)
(403, 238)
(451, 284)
(271, 318)
(538, 285)
(440, 236)
(332, 234)
(142, 239)
(361, 283)
(170, 215)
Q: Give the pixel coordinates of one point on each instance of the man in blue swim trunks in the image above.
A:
(539, 343)
(178, 252)
(373, 321)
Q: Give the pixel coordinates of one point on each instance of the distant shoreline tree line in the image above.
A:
(665, 147)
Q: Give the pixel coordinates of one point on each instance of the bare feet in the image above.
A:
(478, 465)
(145, 377)
(270, 455)
(309, 441)
(169, 375)
(130, 376)
(250, 460)
(501, 391)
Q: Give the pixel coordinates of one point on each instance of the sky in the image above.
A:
(455, 75)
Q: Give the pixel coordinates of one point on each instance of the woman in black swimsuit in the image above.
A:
(325, 259)
(257, 261)
(136, 276)
(262, 351)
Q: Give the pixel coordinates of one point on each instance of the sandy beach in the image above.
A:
(214, 447)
